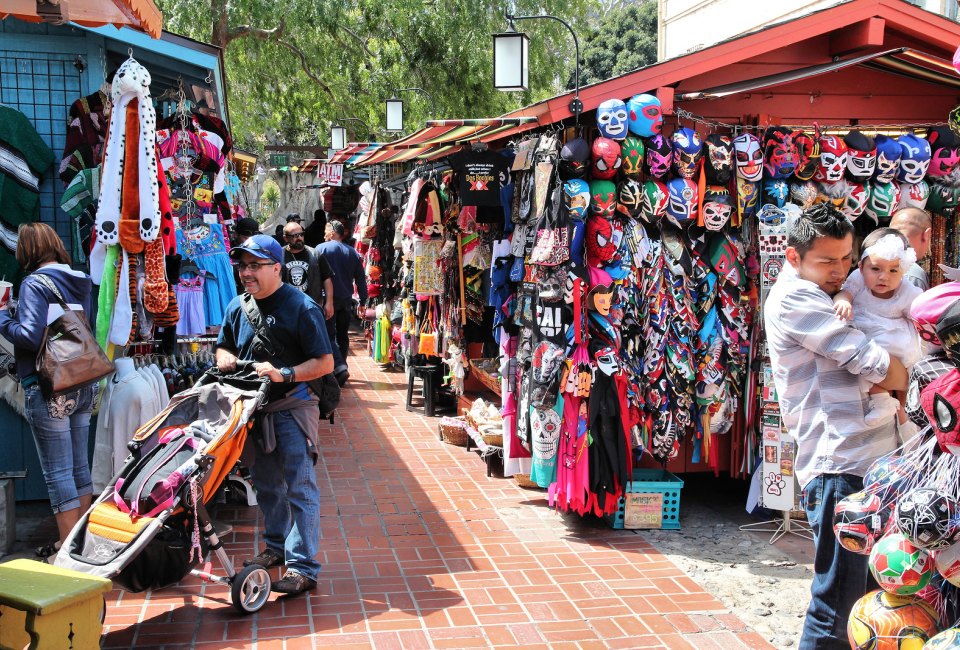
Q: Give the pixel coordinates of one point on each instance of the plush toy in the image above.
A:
(645, 115)
(749, 157)
(612, 119)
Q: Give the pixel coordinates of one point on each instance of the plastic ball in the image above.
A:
(883, 621)
(898, 566)
(859, 520)
(888, 476)
(927, 518)
(948, 564)
(946, 640)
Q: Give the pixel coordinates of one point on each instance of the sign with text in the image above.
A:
(643, 510)
(330, 174)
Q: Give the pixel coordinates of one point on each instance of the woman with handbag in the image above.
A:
(60, 424)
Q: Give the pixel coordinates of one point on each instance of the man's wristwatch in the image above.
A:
(288, 375)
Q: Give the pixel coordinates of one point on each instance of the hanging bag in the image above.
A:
(552, 246)
(428, 334)
(69, 357)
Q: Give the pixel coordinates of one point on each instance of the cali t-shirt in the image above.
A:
(481, 174)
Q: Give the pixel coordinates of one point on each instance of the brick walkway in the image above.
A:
(421, 550)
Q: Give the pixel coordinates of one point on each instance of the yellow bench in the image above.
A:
(43, 606)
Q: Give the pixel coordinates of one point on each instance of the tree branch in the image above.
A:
(306, 68)
(264, 34)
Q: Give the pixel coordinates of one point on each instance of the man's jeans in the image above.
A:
(338, 361)
(288, 495)
(343, 314)
(840, 577)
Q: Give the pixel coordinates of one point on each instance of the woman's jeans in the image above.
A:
(61, 429)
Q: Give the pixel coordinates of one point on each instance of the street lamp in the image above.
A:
(395, 108)
(338, 134)
(510, 60)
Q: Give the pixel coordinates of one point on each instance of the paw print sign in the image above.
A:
(774, 483)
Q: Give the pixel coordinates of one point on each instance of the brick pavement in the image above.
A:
(421, 550)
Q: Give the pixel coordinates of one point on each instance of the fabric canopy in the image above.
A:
(139, 14)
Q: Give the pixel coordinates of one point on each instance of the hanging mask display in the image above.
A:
(612, 119)
(748, 195)
(943, 199)
(945, 148)
(803, 194)
(913, 195)
(718, 164)
(833, 160)
(632, 150)
(914, 158)
(645, 115)
(654, 205)
(687, 149)
(883, 201)
(606, 158)
(629, 197)
(888, 159)
(603, 198)
(603, 240)
(659, 155)
(717, 207)
(854, 200)
(681, 201)
(775, 192)
(861, 156)
(576, 198)
(749, 155)
(725, 259)
(779, 152)
(575, 158)
(808, 155)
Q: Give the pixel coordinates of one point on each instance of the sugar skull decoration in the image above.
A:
(682, 201)
(718, 162)
(833, 160)
(575, 158)
(717, 207)
(882, 202)
(775, 191)
(645, 115)
(861, 156)
(913, 195)
(687, 150)
(808, 155)
(854, 200)
(658, 157)
(779, 152)
(612, 119)
(576, 198)
(749, 156)
(654, 204)
(748, 195)
(629, 197)
(915, 156)
(803, 194)
(606, 158)
(603, 240)
(632, 150)
(945, 148)
(603, 198)
(888, 159)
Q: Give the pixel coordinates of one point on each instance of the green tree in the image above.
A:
(295, 66)
(624, 39)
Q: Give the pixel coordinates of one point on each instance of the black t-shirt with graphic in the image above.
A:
(306, 271)
(481, 174)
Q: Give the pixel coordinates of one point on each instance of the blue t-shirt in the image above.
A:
(294, 320)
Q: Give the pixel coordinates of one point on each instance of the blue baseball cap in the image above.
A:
(263, 246)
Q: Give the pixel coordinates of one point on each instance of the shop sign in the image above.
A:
(643, 510)
(330, 174)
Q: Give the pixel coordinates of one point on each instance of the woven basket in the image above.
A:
(523, 480)
(454, 432)
(492, 435)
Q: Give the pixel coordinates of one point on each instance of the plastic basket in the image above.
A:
(653, 481)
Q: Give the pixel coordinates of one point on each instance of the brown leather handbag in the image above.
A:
(69, 356)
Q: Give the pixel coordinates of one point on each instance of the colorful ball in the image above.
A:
(927, 518)
(946, 640)
(882, 621)
(898, 566)
(859, 521)
(887, 476)
(948, 564)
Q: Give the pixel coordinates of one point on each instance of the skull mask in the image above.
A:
(861, 156)
(946, 152)
(603, 198)
(749, 157)
(576, 196)
(808, 155)
(717, 206)
(612, 119)
(606, 359)
(833, 160)
(780, 154)
(687, 150)
(632, 151)
(854, 201)
(914, 158)
(606, 158)
(888, 159)
(545, 428)
(645, 115)
(658, 157)
(654, 205)
(719, 161)
(681, 200)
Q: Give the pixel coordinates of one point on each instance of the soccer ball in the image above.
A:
(859, 521)
(883, 621)
(946, 640)
(888, 475)
(927, 518)
(900, 567)
(948, 564)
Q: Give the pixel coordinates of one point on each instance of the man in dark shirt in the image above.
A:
(314, 234)
(347, 272)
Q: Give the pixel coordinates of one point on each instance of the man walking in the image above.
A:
(822, 368)
(308, 271)
(916, 226)
(347, 272)
(284, 444)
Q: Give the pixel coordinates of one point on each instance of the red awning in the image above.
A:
(139, 14)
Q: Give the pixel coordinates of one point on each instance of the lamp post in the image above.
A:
(394, 107)
(338, 133)
(510, 52)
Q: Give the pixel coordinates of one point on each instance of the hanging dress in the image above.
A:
(190, 299)
(204, 245)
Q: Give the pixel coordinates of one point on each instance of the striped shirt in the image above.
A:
(822, 367)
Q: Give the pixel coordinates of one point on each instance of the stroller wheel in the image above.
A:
(250, 589)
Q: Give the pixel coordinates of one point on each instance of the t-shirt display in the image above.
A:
(481, 174)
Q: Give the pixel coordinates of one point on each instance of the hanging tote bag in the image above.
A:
(69, 357)
(428, 334)
(552, 246)
(427, 274)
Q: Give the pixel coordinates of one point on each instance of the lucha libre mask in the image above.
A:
(603, 198)
(575, 158)
(606, 158)
(606, 359)
(654, 205)
(681, 200)
(882, 202)
(888, 159)
(602, 243)
(717, 207)
(659, 156)
(749, 156)
(914, 158)
(612, 119)
(687, 149)
(775, 191)
(808, 155)
(913, 195)
(645, 115)
(854, 200)
(632, 150)
(718, 165)
(861, 156)
(748, 195)
(779, 152)
(576, 197)
(803, 194)
(946, 151)
(724, 257)
(833, 160)
(629, 197)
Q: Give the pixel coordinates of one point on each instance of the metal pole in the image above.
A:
(575, 106)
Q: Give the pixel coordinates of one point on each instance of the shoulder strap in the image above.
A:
(48, 283)
(252, 311)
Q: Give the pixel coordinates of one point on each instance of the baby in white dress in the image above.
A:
(878, 300)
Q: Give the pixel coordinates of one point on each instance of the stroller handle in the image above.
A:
(244, 376)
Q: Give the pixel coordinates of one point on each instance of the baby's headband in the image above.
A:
(890, 248)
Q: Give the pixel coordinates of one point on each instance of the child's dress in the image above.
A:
(190, 301)
(886, 321)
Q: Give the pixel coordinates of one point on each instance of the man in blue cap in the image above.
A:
(285, 433)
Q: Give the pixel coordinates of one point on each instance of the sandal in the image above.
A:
(47, 550)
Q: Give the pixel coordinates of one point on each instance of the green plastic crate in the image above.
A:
(652, 481)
